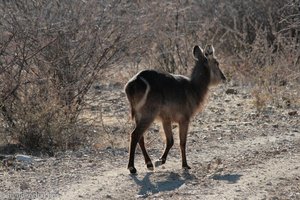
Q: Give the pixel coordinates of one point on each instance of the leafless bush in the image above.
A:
(166, 33)
(50, 54)
(256, 33)
(264, 41)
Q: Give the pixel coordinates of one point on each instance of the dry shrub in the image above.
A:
(50, 55)
(166, 34)
(261, 42)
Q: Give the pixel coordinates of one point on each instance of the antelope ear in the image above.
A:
(209, 51)
(198, 53)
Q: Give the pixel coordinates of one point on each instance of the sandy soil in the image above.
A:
(234, 152)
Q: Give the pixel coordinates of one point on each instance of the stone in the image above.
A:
(231, 91)
(24, 158)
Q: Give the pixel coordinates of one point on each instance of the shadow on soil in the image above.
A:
(154, 182)
(10, 149)
(230, 178)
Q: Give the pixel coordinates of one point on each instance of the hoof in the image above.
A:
(160, 162)
(150, 166)
(186, 167)
(132, 170)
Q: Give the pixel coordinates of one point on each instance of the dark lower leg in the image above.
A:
(169, 140)
(183, 129)
(136, 135)
(133, 142)
(183, 155)
(146, 156)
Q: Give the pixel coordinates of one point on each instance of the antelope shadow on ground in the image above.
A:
(230, 178)
(154, 182)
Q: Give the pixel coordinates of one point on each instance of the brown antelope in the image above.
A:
(170, 98)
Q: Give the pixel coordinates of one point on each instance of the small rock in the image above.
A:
(231, 91)
(269, 183)
(79, 154)
(94, 108)
(275, 125)
(282, 82)
(39, 160)
(8, 161)
(24, 186)
(109, 148)
(98, 87)
(183, 186)
(292, 113)
(274, 198)
(263, 134)
(23, 158)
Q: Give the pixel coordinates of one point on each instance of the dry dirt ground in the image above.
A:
(234, 151)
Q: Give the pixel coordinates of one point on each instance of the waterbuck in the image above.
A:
(170, 98)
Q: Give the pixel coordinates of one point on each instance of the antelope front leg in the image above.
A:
(183, 130)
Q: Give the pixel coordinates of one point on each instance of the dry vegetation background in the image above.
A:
(54, 53)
